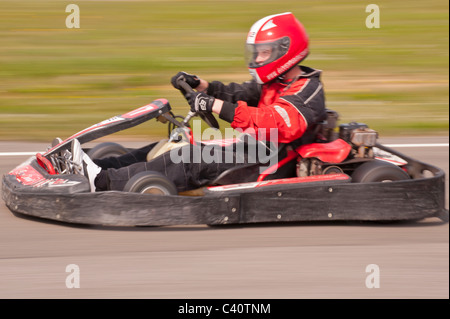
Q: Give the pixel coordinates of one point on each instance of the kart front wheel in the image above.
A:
(106, 149)
(378, 171)
(150, 183)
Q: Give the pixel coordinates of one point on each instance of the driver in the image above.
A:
(282, 95)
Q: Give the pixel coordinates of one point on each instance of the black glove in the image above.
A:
(190, 79)
(200, 102)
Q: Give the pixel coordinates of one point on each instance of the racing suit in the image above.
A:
(293, 108)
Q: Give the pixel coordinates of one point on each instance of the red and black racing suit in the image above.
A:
(293, 108)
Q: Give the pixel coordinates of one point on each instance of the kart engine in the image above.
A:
(358, 135)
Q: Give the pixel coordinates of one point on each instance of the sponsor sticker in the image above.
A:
(29, 176)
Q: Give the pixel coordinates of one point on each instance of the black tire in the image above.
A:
(378, 171)
(107, 149)
(150, 182)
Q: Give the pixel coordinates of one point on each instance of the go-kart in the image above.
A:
(343, 175)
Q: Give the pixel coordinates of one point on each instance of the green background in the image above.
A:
(55, 81)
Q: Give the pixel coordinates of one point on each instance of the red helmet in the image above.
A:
(275, 44)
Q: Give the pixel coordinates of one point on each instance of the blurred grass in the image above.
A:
(56, 81)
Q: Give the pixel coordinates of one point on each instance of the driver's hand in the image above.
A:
(200, 102)
(190, 79)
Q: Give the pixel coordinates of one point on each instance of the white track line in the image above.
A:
(418, 145)
(18, 153)
(388, 145)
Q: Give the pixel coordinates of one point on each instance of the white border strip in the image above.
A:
(418, 145)
(18, 153)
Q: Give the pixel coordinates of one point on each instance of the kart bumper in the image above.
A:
(327, 200)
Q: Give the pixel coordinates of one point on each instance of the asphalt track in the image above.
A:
(287, 261)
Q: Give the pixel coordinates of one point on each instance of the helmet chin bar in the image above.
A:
(258, 80)
(255, 75)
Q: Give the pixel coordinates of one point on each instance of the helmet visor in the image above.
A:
(258, 55)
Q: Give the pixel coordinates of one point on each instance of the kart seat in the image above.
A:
(332, 152)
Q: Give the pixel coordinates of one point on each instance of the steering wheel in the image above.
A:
(208, 117)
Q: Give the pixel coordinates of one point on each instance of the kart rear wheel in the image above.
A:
(378, 171)
(150, 183)
(106, 149)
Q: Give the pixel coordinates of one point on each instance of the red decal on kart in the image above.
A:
(293, 180)
(55, 183)
(233, 187)
(145, 109)
(138, 112)
(27, 175)
(306, 179)
(97, 126)
(90, 128)
(382, 155)
(398, 163)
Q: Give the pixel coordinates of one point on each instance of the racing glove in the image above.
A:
(190, 79)
(200, 102)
